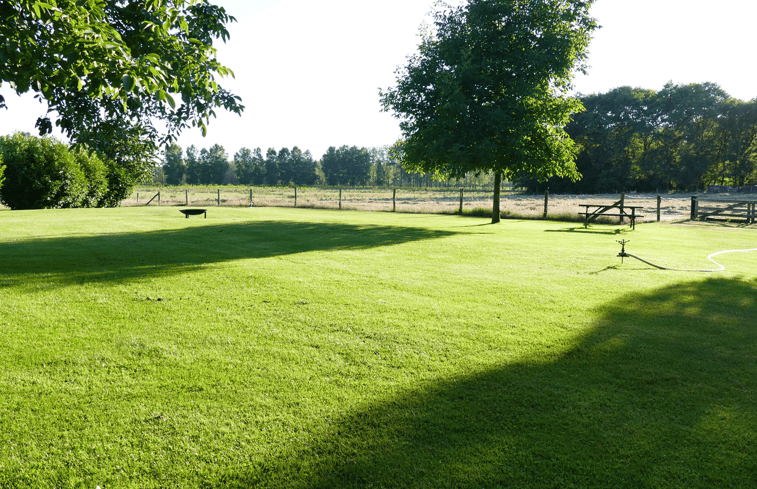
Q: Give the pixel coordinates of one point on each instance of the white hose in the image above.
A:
(722, 267)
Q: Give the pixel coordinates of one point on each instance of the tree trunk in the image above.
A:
(495, 204)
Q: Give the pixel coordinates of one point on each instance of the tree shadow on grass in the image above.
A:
(121, 257)
(660, 393)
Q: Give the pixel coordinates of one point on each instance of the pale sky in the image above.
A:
(309, 72)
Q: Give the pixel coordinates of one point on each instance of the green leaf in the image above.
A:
(128, 83)
(171, 101)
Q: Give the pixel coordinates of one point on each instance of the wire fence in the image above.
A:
(431, 200)
(411, 200)
(668, 207)
(653, 207)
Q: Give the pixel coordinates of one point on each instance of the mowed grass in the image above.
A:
(306, 348)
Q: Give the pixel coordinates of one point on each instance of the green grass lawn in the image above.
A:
(267, 347)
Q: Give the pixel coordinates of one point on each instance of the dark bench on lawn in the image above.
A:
(194, 212)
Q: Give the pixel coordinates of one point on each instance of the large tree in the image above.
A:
(298, 168)
(214, 164)
(174, 167)
(194, 169)
(122, 76)
(271, 164)
(348, 165)
(249, 166)
(488, 90)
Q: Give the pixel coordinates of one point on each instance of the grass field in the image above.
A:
(274, 347)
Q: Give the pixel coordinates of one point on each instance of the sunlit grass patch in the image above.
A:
(318, 348)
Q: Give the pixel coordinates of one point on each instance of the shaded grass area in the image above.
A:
(302, 348)
(123, 256)
(658, 393)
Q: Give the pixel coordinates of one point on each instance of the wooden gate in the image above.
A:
(716, 210)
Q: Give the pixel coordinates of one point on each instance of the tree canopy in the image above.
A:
(683, 137)
(488, 90)
(122, 76)
(347, 165)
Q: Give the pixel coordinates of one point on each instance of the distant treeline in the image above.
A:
(684, 137)
(346, 165)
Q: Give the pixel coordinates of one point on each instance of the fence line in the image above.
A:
(386, 199)
(412, 200)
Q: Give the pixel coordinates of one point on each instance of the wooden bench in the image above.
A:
(602, 210)
(194, 212)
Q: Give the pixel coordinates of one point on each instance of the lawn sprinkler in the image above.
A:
(622, 253)
(720, 268)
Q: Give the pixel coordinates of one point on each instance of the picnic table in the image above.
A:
(592, 211)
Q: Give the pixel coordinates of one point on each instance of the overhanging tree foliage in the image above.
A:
(123, 76)
(488, 90)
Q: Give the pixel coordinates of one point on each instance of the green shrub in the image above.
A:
(120, 183)
(2, 170)
(43, 173)
(95, 174)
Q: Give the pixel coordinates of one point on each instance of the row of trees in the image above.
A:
(346, 165)
(683, 137)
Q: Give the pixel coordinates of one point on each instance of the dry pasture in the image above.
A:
(432, 200)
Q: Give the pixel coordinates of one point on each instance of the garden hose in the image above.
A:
(623, 254)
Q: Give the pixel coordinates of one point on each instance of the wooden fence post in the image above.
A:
(394, 200)
(250, 196)
(186, 197)
(461, 202)
(156, 196)
(546, 202)
(659, 201)
(340, 198)
(295, 196)
(622, 203)
(219, 196)
(137, 198)
(693, 216)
